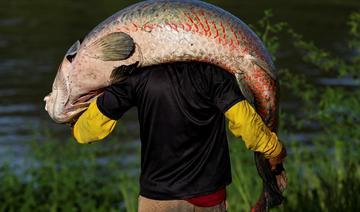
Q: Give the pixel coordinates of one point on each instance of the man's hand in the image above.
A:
(278, 169)
(281, 180)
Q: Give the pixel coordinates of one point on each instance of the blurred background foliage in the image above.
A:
(319, 119)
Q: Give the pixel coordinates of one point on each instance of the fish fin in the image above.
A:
(113, 47)
(244, 88)
(269, 69)
(121, 72)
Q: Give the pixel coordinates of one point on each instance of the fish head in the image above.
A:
(85, 71)
(75, 85)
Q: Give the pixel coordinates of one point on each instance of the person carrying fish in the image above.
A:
(187, 66)
(182, 107)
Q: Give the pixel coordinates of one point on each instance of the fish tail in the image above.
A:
(271, 195)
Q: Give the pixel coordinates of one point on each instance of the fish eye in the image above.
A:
(70, 58)
(71, 53)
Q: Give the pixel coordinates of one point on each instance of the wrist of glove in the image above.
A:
(275, 162)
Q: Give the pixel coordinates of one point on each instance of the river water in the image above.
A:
(34, 35)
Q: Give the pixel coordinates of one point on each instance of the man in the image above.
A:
(185, 163)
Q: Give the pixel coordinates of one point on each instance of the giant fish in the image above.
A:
(164, 31)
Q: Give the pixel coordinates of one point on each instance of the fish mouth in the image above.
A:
(82, 103)
(69, 112)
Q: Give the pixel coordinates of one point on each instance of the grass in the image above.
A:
(61, 177)
(66, 177)
(324, 172)
(319, 180)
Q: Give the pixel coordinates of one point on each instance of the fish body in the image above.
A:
(164, 31)
(169, 31)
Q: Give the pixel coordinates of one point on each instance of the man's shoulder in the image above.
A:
(197, 72)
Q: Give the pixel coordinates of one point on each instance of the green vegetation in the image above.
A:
(63, 176)
(323, 171)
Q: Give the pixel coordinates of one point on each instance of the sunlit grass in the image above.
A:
(69, 177)
(61, 177)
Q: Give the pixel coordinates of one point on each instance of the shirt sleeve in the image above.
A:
(245, 123)
(225, 90)
(117, 99)
(92, 125)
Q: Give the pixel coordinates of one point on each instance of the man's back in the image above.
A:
(184, 148)
(182, 126)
